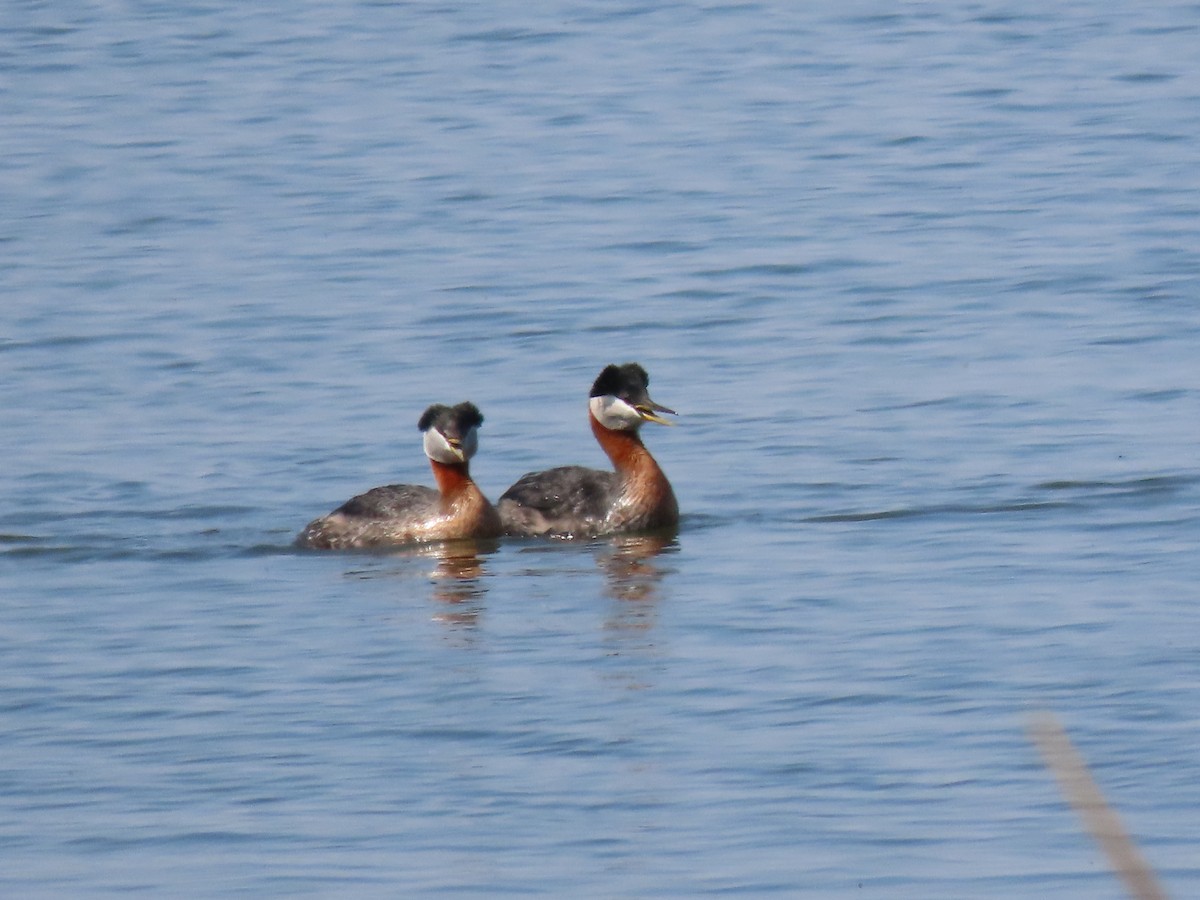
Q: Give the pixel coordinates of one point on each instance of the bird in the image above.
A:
(398, 514)
(574, 501)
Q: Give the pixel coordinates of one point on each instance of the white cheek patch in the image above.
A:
(614, 413)
(438, 448)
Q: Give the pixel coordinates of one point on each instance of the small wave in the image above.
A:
(510, 35)
(656, 247)
(19, 539)
(948, 509)
(1151, 485)
(79, 553)
(167, 514)
(1069, 494)
(772, 269)
(186, 546)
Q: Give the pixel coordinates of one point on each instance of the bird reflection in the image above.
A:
(458, 577)
(633, 573)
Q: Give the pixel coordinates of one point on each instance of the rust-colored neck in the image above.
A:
(453, 479)
(468, 513)
(625, 448)
(646, 499)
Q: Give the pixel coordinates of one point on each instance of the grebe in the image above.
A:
(572, 501)
(411, 513)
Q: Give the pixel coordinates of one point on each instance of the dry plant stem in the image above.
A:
(1100, 819)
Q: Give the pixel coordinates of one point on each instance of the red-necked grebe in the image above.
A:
(410, 513)
(573, 501)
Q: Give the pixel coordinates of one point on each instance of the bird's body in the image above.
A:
(574, 501)
(399, 514)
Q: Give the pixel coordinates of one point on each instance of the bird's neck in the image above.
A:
(453, 479)
(646, 499)
(625, 448)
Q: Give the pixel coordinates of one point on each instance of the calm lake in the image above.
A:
(923, 282)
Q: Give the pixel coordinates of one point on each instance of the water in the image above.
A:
(922, 283)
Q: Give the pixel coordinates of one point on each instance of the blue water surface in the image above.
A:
(922, 280)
